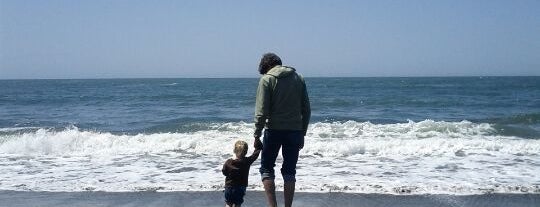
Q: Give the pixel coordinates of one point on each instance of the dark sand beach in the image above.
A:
(255, 198)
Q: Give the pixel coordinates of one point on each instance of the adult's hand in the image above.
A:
(257, 134)
(257, 144)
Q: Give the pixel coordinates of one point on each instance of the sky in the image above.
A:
(192, 39)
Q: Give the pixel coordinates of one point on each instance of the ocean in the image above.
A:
(425, 135)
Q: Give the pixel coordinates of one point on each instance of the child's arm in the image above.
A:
(258, 147)
(254, 156)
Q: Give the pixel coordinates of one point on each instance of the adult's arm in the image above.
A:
(262, 106)
(306, 108)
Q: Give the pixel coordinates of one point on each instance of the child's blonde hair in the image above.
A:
(240, 148)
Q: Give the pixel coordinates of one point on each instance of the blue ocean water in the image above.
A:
(451, 135)
(180, 105)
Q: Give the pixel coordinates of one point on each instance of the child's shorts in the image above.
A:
(235, 195)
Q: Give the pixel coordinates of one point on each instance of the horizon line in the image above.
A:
(427, 76)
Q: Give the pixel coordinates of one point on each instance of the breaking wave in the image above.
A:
(402, 158)
(346, 138)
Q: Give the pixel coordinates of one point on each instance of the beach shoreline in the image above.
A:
(256, 198)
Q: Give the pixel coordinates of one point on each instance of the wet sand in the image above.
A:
(256, 198)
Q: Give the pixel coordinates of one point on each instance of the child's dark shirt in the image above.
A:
(236, 171)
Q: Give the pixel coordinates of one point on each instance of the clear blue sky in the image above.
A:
(135, 39)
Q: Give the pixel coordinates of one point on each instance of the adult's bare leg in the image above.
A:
(289, 193)
(270, 190)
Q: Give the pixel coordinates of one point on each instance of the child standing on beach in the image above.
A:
(236, 172)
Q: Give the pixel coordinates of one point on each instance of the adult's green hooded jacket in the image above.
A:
(282, 101)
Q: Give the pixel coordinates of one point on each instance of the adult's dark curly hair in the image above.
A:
(268, 61)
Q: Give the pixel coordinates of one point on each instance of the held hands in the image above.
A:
(257, 144)
(257, 134)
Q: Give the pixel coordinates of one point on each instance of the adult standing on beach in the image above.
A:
(282, 108)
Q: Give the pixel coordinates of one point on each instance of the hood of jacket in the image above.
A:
(281, 71)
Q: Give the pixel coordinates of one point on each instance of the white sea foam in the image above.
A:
(414, 157)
